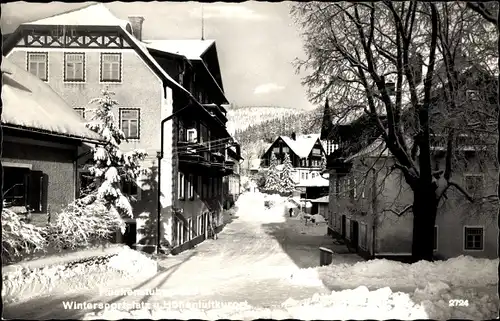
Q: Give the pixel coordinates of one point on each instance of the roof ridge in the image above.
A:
(66, 12)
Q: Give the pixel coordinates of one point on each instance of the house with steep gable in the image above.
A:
(306, 153)
(78, 53)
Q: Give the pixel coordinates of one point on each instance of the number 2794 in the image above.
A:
(458, 303)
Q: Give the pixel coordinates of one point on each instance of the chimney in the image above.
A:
(294, 136)
(136, 22)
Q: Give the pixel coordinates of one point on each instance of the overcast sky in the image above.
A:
(256, 41)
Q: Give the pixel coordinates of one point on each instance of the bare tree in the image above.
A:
(383, 61)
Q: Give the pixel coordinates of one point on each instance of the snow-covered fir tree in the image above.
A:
(272, 177)
(111, 167)
(323, 163)
(287, 185)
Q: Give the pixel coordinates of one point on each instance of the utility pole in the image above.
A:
(202, 24)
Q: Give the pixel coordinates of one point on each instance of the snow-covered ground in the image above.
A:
(264, 265)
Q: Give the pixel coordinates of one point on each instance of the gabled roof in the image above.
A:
(302, 145)
(193, 49)
(29, 103)
(99, 15)
(91, 15)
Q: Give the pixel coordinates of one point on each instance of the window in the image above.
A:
(363, 236)
(189, 229)
(435, 247)
(74, 67)
(180, 232)
(473, 238)
(130, 188)
(307, 175)
(285, 149)
(23, 187)
(302, 175)
(180, 185)
(38, 64)
(80, 111)
(192, 135)
(182, 131)
(303, 162)
(203, 133)
(191, 187)
(111, 67)
(474, 183)
(316, 151)
(472, 95)
(313, 175)
(209, 139)
(199, 186)
(276, 150)
(199, 227)
(354, 189)
(205, 188)
(129, 122)
(363, 192)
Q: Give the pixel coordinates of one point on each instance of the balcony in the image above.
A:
(197, 158)
(216, 112)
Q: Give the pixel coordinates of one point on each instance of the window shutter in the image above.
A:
(35, 191)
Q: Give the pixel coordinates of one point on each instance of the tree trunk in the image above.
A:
(424, 219)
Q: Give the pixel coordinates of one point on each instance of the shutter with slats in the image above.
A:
(35, 191)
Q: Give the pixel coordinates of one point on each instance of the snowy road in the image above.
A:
(264, 265)
(251, 261)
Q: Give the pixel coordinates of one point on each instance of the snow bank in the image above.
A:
(133, 262)
(459, 271)
(358, 304)
(31, 279)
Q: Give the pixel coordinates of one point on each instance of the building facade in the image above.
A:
(80, 53)
(369, 202)
(306, 153)
(39, 153)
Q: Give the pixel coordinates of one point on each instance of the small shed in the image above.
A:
(320, 206)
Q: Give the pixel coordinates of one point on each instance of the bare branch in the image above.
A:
(399, 214)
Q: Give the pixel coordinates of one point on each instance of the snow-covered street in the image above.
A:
(264, 264)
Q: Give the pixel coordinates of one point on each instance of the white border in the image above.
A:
(464, 238)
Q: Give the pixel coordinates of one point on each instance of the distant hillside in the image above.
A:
(240, 118)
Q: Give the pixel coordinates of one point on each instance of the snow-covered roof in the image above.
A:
(92, 15)
(30, 103)
(324, 199)
(99, 15)
(302, 144)
(316, 181)
(255, 163)
(192, 49)
(376, 149)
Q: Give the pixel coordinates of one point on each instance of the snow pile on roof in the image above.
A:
(30, 103)
(99, 15)
(380, 272)
(316, 181)
(324, 199)
(192, 49)
(92, 15)
(302, 145)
